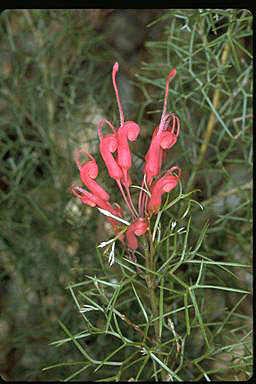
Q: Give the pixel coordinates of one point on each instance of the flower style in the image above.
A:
(128, 130)
(115, 151)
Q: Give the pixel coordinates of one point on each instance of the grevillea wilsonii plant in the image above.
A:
(116, 153)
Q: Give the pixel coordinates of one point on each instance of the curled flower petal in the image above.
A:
(108, 145)
(129, 130)
(165, 184)
(89, 172)
(124, 158)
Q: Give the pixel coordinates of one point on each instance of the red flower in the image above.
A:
(115, 151)
(163, 138)
(165, 184)
(89, 172)
(89, 198)
(108, 145)
(137, 228)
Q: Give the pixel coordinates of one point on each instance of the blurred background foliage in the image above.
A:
(55, 74)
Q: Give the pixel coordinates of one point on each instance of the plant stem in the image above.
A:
(151, 283)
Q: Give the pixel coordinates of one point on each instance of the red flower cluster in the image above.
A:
(115, 151)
